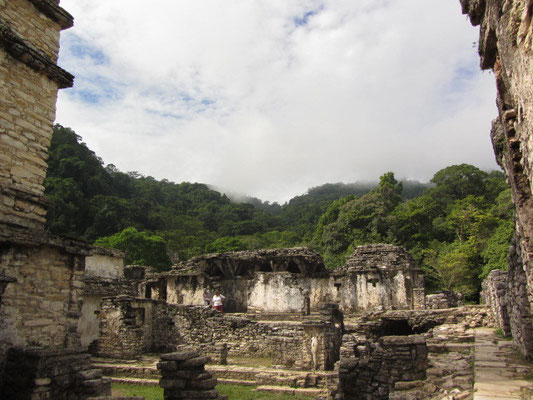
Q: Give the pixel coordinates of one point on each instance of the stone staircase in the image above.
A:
(274, 380)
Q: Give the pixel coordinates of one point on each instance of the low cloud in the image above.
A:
(268, 98)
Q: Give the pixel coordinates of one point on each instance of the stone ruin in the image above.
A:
(365, 330)
(506, 48)
(295, 280)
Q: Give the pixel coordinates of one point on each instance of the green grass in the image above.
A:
(127, 390)
(499, 333)
(250, 361)
(234, 392)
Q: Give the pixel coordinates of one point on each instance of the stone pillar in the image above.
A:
(419, 299)
(183, 376)
(220, 354)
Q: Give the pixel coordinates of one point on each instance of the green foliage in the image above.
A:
(458, 227)
(140, 247)
(458, 230)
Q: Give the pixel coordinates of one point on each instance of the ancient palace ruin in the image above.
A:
(71, 314)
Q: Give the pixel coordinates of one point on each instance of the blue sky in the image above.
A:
(269, 97)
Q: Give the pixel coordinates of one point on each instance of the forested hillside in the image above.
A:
(458, 227)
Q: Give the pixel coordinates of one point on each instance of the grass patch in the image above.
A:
(250, 361)
(499, 333)
(529, 377)
(234, 392)
(127, 390)
(237, 392)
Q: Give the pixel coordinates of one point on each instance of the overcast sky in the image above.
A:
(271, 97)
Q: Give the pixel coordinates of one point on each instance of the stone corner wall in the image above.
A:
(29, 46)
(506, 47)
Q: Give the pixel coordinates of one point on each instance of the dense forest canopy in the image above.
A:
(457, 227)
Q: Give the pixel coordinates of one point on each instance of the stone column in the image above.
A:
(183, 376)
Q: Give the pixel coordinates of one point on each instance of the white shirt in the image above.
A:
(218, 300)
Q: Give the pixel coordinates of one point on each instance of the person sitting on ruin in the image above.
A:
(207, 297)
(218, 301)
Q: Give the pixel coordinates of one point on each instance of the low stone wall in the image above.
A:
(289, 343)
(38, 374)
(369, 370)
(494, 295)
(444, 299)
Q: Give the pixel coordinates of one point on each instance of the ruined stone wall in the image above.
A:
(506, 47)
(376, 277)
(126, 327)
(445, 299)
(50, 374)
(494, 295)
(370, 370)
(379, 277)
(41, 307)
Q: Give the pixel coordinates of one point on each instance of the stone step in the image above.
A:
(408, 385)
(440, 348)
(290, 391)
(260, 376)
(236, 382)
(135, 381)
(125, 370)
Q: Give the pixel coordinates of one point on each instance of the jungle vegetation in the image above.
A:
(457, 227)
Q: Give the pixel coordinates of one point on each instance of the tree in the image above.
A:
(453, 267)
(458, 181)
(140, 247)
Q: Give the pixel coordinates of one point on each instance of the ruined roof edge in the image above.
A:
(20, 50)
(53, 11)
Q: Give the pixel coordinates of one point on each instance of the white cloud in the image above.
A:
(271, 97)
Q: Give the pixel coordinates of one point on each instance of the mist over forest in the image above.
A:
(457, 227)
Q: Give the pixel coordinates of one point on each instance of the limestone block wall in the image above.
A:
(288, 343)
(506, 47)
(29, 40)
(26, 20)
(369, 370)
(42, 305)
(126, 327)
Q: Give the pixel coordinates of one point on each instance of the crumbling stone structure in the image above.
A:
(379, 277)
(295, 281)
(444, 299)
(41, 275)
(506, 48)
